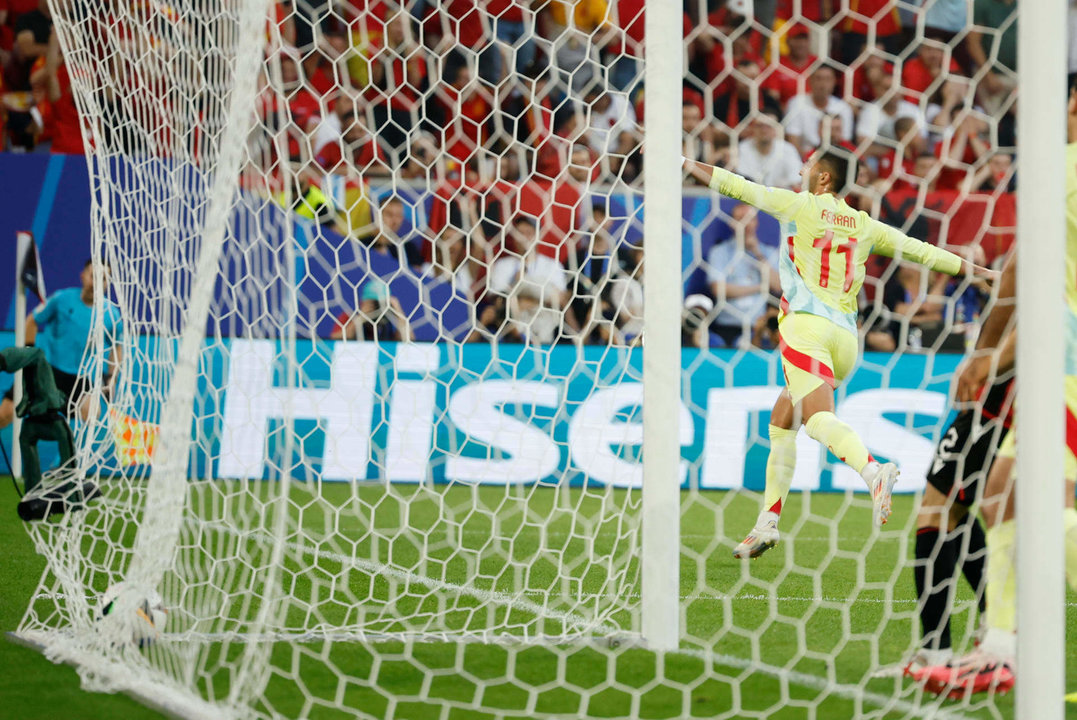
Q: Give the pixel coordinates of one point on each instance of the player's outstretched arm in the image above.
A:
(976, 370)
(780, 203)
(896, 244)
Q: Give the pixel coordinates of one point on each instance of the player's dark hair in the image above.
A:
(841, 164)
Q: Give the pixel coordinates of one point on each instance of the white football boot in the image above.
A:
(882, 488)
(763, 537)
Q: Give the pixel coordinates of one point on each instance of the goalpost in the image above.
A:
(1041, 212)
(414, 438)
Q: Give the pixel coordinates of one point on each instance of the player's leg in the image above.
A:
(816, 356)
(933, 573)
(781, 462)
(990, 666)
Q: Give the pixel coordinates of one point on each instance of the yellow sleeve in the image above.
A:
(783, 205)
(896, 244)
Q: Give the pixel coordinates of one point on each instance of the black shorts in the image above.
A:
(73, 387)
(965, 453)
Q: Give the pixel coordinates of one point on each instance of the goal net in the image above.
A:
(375, 439)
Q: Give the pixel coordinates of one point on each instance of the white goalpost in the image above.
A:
(445, 393)
(1041, 228)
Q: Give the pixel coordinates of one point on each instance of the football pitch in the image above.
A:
(794, 634)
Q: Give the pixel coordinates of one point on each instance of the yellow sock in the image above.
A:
(1001, 577)
(839, 438)
(1069, 519)
(781, 463)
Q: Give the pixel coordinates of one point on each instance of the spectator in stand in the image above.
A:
(999, 82)
(559, 203)
(832, 132)
(10, 12)
(743, 274)
(944, 20)
(423, 161)
(461, 260)
(354, 149)
(903, 166)
(576, 30)
(865, 84)
(514, 28)
(996, 175)
(611, 126)
(397, 80)
(733, 108)
(921, 73)
(697, 308)
(466, 27)
(463, 108)
(62, 123)
(767, 158)
(791, 76)
(877, 120)
(622, 304)
(625, 49)
(697, 134)
(969, 143)
(379, 318)
(917, 300)
(947, 108)
(388, 239)
(880, 333)
(612, 133)
(765, 335)
(32, 32)
(805, 111)
(305, 109)
(877, 17)
(594, 263)
(534, 286)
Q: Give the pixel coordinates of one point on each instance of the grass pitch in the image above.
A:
(794, 634)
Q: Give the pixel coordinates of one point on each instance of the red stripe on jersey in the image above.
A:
(792, 255)
(1071, 432)
(784, 305)
(807, 363)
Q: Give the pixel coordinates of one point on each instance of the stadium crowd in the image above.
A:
(520, 119)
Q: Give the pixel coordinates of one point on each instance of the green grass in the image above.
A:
(834, 600)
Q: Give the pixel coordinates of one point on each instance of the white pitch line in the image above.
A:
(848, 692)
(512, 601)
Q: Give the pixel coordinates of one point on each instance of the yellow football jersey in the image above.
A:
(826, 246)
(1071, 259)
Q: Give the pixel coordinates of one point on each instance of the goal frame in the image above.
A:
(1041, 233)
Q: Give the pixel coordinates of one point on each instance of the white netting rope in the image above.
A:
(385, 334)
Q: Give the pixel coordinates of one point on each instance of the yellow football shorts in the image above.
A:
(814, 351)
(1008, 449)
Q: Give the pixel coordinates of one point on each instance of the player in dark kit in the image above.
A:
(949, 534)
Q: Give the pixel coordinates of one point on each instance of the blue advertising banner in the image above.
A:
(477, 413)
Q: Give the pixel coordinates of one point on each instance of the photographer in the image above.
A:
(380, 317)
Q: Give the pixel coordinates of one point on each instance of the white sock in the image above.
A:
(765, 517)
(1001, 644)
(868, 473)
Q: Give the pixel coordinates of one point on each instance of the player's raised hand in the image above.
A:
(985, 275)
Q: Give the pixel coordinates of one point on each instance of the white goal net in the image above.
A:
(375, 441)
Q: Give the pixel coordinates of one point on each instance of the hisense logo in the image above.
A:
(404, 415)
